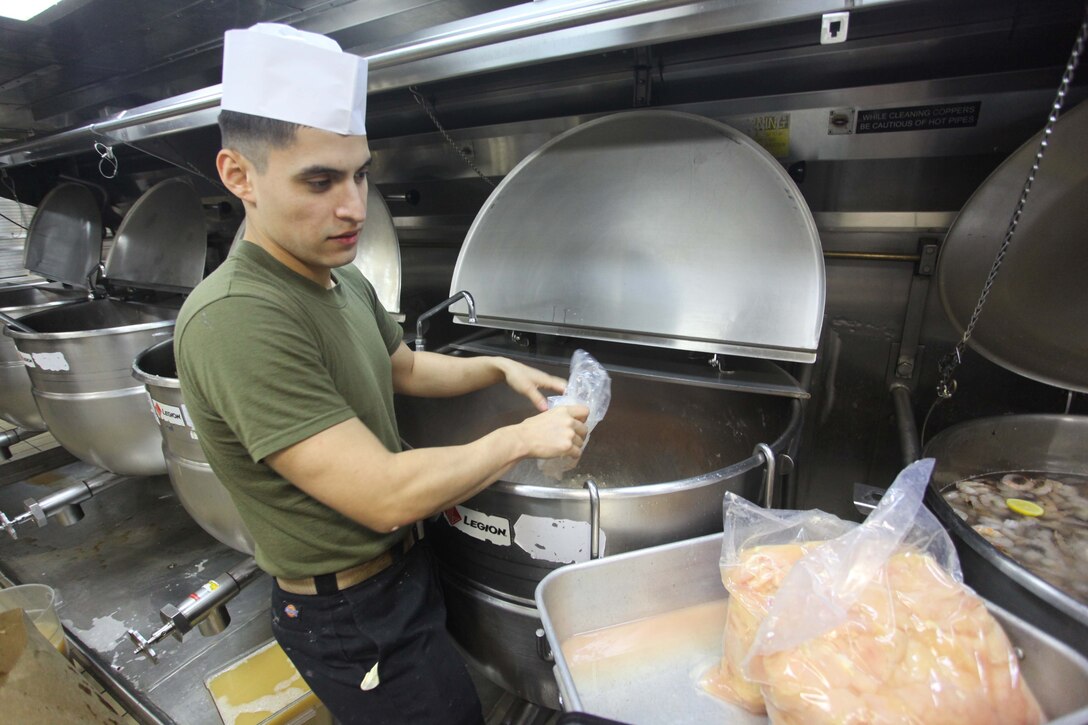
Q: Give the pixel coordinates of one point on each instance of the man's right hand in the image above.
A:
(559, 432)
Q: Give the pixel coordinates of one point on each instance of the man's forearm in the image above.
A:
(348, 469)
(432, 375)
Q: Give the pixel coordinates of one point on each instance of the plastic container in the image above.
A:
(40, 604)
(262, 687)
(638, 586)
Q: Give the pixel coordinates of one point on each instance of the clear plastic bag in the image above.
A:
(868, 625)
(759, 547)
(588, 385)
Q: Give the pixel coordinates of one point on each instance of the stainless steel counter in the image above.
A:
(135, 551)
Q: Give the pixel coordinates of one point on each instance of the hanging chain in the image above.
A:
(449, 139)
(181, 163)
(10, 184)
(946, 386)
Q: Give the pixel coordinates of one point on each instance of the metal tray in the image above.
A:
(626, 588)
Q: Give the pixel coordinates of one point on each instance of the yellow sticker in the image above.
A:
(1024, 508)
(772, 132)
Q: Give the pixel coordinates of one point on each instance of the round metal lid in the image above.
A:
(64, 242)
(650, 227)
(379, 251)
(1034, 320)
(378, 257)
(162, 241)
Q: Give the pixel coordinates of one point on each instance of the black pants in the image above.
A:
(395, 620)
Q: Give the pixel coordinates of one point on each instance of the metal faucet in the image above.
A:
(422, 322)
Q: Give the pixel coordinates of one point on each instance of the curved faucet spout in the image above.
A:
(423, 322)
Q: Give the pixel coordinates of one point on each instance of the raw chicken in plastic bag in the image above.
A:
(588, 385)
(759, 547)
(872, 625)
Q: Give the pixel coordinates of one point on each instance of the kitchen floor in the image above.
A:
(503, 708)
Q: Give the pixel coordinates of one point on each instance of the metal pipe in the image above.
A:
(874, 256)
(767, 453)
(205, 608)
(207, 98)
(905, 422)
(594, 519)
(546, 19)
(10, 437)
(12, 322)
(65, 504)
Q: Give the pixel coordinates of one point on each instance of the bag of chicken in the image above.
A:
(876, 626)
(759, 547)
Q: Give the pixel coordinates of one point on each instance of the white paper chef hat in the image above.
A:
(277, 71)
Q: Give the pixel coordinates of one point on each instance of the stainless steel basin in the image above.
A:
(81, 379)
(1051, 443)
(664, 456)
(197, 487)
(17, 404)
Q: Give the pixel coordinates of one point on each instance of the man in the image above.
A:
(288, 364)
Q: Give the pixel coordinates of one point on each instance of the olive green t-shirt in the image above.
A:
(268, 358)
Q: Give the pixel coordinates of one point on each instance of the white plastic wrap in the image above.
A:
(588, 385)
(871, 624)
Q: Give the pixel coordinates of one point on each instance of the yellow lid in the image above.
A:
(1024, 508)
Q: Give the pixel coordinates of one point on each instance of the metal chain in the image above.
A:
(10, 184)
(449, 139)
(946, 386)
(182, 163)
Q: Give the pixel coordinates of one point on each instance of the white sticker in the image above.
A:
(561, 541)
(51, 361)
(371, 680)
(27, 359)
(494, 529)
(168, 413)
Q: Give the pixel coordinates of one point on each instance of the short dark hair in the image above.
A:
(253, 136)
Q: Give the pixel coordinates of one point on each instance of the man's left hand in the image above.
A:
(529, 381)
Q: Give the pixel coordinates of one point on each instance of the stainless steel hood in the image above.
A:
(526, 34)
(64, 242)
(162, 241)
(652, 227)
(1033, 320)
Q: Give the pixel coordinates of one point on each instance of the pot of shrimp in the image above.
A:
(1013, 493)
